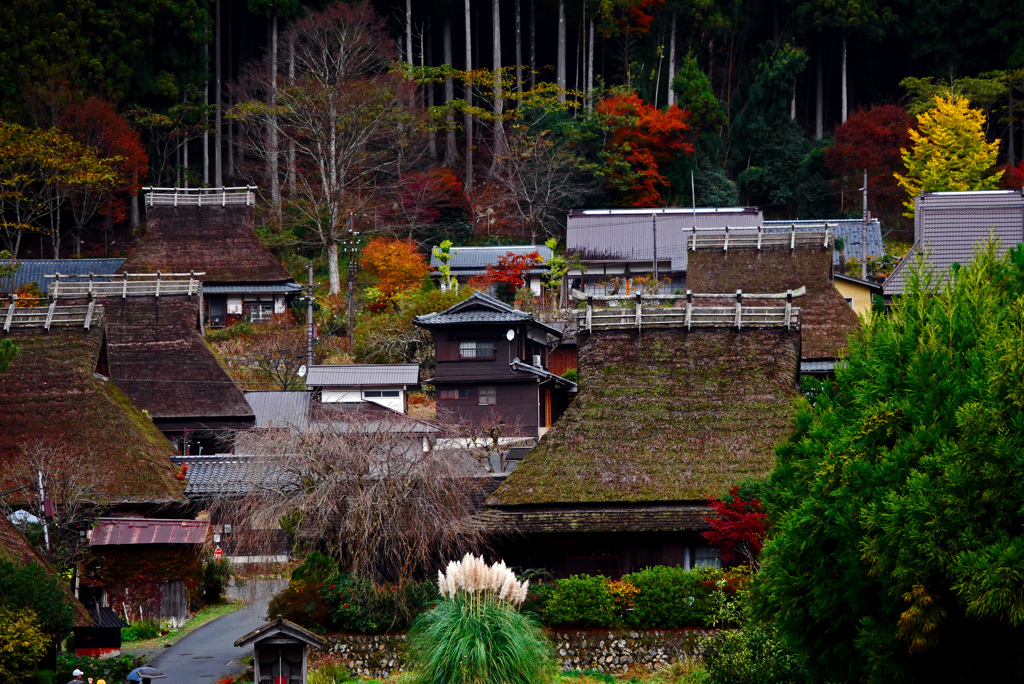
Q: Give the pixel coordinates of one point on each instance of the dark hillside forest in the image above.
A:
(620, 103)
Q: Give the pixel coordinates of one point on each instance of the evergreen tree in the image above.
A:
(896, 503)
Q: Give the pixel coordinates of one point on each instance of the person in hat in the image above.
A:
(77, 674)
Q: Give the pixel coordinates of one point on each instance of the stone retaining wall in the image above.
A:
(600, 649)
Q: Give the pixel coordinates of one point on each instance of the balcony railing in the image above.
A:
(663, 311)
(46, 317)
(757, 238)
(201, 197)
(124, 285)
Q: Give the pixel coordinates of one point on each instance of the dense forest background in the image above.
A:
(544, 105)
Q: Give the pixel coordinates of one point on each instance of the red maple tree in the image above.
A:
(1013, 177)
(737, 527)
(641, 138)
(511, 270)
(871, 139)
(431, 196)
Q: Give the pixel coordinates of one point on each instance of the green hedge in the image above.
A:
(580, 601)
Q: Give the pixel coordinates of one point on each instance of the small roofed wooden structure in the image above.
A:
(279, 651)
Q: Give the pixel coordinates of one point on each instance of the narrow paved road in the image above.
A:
(209, 653)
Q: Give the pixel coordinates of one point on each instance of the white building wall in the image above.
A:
(393, 403)
(280, 304)
(235, 305)
(341, 396)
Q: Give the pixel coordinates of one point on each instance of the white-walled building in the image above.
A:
(384, 384)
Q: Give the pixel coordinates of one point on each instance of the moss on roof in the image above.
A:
(663, 415)
(218, 241)
(827, 319)
(50, 395)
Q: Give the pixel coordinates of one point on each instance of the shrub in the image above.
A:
(580, 601)
(674, 597)
(28, 587)
(216, 575)
(358, 605)
(140, 631)
(110, 669)
(302, 604)
(22, 644)
(537, 599)
(572, 375)
(477, 633)
(316, 567)
(623, 596)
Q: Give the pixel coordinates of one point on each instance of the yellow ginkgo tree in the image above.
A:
(949, 151)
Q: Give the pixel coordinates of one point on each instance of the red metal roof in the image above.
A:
(110, 531)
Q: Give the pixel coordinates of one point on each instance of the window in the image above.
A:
(457, 394)
(215, 313)
(849, 300)
(259, 311)
(707, 557)
(467, 394)
(476, 349)
(379, 394)
(488, 396)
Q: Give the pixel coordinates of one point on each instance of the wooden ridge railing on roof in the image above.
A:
(124, 284)
(757, 238)
(649, 311)
(201, 197)
(46, 317)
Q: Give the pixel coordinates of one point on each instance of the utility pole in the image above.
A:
(654, 228)
(353, 235)
(309, 319)
(43, 511)
(864, 232)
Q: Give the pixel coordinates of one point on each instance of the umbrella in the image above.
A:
(139, 673)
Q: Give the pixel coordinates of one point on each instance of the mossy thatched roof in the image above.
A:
(663, 416)
(50, 396)
(218, 241)
(827, 319)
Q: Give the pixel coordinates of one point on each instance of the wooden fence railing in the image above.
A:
(202, 197)
(652, 311)
(756, 238)
(124, 284)
(85, 315)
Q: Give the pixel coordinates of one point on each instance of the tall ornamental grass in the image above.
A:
(476, 634)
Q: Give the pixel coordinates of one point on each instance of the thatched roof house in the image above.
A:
(56, 397)
(159, 360)
(243, 280)
(827, 319)
(664, 420)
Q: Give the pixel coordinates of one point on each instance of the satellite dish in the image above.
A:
(510, 335)
(302, 371)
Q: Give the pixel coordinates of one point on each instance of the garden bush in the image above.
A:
(580, 601)
(316, 567)
(139, 631)
(22, 644)
(674, 597)
(301, 603)
(216, 575)
(111, 669)
(358, 605)
(28, 587)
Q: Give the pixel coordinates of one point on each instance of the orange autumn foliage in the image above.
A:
(394, 265)
(641, 139)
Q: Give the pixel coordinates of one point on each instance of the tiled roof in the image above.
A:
(35, 270)
(280, 408)
(479, 258)
(657, 518)
(628, 235)
(120, 531)
(219, 241)
(226, 474)
(364, 375)
(949, 226)
(481, 308)
(851, 230)
(275, 288)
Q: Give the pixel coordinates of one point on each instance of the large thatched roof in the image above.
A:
(51, 397)
(663, 416)
(216, 240)
(827, 319)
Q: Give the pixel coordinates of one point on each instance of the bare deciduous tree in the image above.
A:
(369, 486)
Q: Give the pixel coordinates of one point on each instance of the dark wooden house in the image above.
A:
(669, 414)
(491, 366)
(210, 231)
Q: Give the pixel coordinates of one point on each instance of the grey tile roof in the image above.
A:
(626, 234)
(364, 375)
(269, 288)
(479, 258)
(481, 308)
(949, 226)
(227, 474)
(35, 270)
(280, 408)
(850, 230)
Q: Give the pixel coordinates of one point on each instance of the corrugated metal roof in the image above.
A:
(627, 235)
(364, 375)
(280, 408)
(121, 531)
(481, 257)
(848, 229)
(35, 270)
(273, 288)
(106, 618)
(950, 225)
